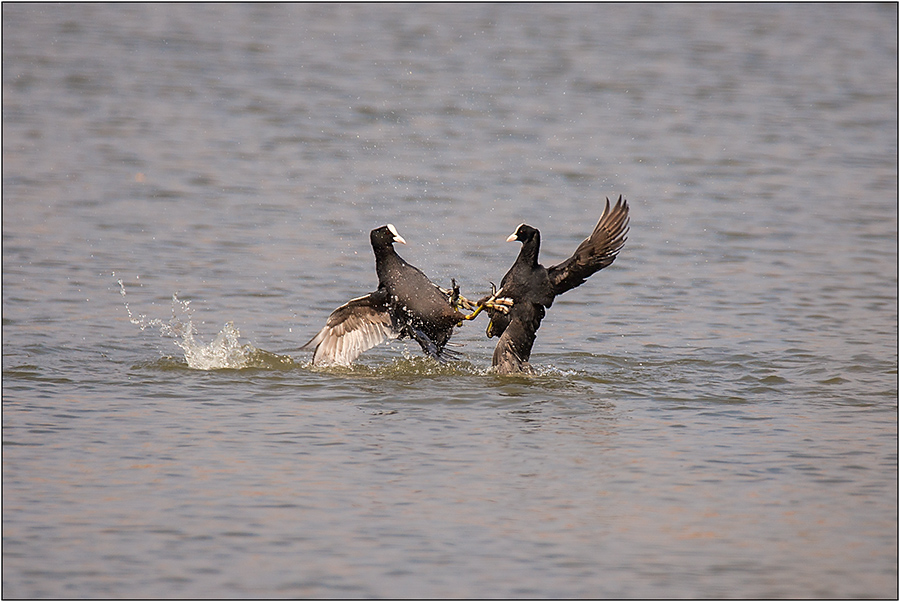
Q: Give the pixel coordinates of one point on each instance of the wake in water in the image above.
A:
(225, 351)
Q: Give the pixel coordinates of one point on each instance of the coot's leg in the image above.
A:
(492, 302)
(429, 348)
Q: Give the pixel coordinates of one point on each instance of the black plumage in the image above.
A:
(405, 305)
(532, 288)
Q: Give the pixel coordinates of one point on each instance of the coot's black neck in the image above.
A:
(531, 247)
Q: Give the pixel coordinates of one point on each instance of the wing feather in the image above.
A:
(351, 329)
(595, 252)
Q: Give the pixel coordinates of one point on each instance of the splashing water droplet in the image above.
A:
(224, 352)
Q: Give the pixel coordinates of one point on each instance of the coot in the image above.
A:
(531, 288)
(405, 305)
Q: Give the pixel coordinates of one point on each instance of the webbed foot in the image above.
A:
(485, 303)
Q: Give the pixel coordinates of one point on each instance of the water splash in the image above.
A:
(225, 351)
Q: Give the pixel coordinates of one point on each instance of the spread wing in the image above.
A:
(354, 327)
(595, 252)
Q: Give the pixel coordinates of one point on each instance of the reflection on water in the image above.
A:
(714, 414)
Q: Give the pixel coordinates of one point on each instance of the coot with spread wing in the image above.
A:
(405, 305)
(531, 288)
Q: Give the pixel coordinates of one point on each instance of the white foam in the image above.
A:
(225, 351)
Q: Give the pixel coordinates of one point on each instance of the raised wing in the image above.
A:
(595, 252)
(354, 327)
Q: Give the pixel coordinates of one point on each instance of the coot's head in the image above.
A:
(523, 234)
(385, 236)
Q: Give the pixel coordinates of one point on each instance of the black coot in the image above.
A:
(531, 287)
(405, 305)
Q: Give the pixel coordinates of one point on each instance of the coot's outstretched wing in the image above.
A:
(595, 252)
(354, 327)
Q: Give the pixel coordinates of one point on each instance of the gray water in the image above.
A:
(715, 414)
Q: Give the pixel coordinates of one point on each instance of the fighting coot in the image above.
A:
(531, 287)
(405, 305)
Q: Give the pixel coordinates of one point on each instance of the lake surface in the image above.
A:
(188, 192)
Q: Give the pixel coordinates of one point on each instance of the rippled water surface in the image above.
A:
(187, 194)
